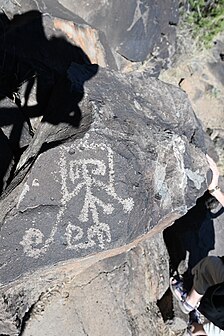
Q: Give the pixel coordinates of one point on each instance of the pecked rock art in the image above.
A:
(143, 31)
(72, 207)
(115, 159)
(110, 183)
(86, 176)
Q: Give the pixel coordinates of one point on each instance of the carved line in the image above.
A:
(100, 230)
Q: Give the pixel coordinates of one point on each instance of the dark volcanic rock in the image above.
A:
(36, 51)
(137, 30)
(128, 285)
(114, 158)
(133, 168)
(64, 299)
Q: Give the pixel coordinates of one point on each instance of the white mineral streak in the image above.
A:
(161, 185)
(159, 175)
(179, 150)
(23, 193)
(137, 105)
(138, 15)
(195, 177)
(84, 174)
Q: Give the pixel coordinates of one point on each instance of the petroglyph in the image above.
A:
(79, 177)
(195, 177)
(139, 15)
(35, 183)
(23, 193)
(32, 236)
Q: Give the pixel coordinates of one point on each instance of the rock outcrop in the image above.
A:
(120, 292)
(200, 74)
(141, 34)
(124, 171)
(114, 159)
(138, 31)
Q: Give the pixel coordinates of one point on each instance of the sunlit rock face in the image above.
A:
(114, 158)
(141, 34)
(113, 180)
(137, 31)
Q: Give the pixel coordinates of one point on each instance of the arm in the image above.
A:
(213, 186)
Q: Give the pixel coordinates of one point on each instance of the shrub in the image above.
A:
(206, 18)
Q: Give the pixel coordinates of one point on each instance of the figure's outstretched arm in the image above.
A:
(213, 187)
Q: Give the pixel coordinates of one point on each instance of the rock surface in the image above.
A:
(141, 34)
(200, 75)
(115, 158)
(117, 181)
(101, 192)
(116, 295)
(138, 31)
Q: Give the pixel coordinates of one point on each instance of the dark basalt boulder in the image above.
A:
(36, 50)
(114, 158)
(134, 166)
(138, 31)
(140, 34)
(128, 168)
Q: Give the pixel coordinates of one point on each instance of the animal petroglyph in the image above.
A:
(139, 15)
(81, 179)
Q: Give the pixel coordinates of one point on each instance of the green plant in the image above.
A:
(206, 18)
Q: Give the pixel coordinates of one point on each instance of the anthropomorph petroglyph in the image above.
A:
(82, 176)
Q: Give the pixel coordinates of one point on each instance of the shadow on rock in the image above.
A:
(34, 85)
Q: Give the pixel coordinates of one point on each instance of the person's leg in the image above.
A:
(180, 294)
(206, 329)
(197, 329)
(209, 271)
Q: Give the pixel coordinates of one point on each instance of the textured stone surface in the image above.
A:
(114, 180)
(114, 160)
(54, 8)
(118, 294)
(200, 75)
(141, 34)
(36, 51)
(135, 29)
(131, 169)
